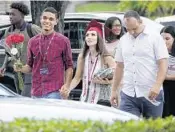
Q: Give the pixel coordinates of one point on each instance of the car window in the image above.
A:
(75, 32)
(5, 92)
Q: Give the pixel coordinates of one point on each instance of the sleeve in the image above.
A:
(35, 29)
(118, 53)
(29, 54)
(5, 33)
(160, 48)
(67, 55)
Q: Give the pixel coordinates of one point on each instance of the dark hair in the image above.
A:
(52, 10)
(110, 37)
(21, 7)
(132, 13)
(100, 47)
(170, 30)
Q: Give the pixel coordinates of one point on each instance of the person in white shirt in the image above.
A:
(141, 61)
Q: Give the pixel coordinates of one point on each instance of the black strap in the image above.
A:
(29, 30)
(10, 29)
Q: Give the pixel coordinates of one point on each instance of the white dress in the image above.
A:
(92, 92)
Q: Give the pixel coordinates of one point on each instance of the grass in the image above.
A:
(96, 7)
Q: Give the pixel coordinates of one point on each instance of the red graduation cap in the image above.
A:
(95, 26)
(98, 27)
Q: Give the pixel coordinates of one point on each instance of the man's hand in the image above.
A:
(154, 92)
(114, 98)
(64, 91)
(16, 68)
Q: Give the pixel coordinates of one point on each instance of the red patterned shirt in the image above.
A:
(56, 50)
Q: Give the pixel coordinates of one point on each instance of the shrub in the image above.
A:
(32, 125)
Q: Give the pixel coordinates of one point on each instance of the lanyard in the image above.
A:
(46, 52)
(93, 68)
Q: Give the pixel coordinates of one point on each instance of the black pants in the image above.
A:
(169, 95)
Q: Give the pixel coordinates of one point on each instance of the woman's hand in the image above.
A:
(100, 80)
(64, 91)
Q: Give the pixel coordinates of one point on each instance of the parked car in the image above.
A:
(166, 21)
(14, 106)
(74, 29)
(46, 109)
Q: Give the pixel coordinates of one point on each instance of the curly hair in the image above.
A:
(21, 7)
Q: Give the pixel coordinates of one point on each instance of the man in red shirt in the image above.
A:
(48, 54)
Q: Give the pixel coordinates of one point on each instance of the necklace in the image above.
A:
(92, 58)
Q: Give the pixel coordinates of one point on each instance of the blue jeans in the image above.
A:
(52, 95)
(138, 106)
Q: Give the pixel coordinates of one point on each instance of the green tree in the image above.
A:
(148, 8)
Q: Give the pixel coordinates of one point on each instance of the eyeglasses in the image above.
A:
(116, 25)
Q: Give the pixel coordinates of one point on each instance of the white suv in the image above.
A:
(166, 21)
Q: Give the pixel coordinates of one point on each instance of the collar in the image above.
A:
(145, 30)
(47, 36)
(22, 28)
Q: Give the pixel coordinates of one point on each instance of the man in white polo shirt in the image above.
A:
(141, 58)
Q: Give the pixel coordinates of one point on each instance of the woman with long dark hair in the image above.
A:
(113, 24)
(168, 34)
(93, 58)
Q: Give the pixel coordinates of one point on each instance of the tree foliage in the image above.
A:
(149, 8)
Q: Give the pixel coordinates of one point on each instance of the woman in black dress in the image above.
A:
(168, 34)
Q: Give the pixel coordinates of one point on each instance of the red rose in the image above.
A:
(17, 38)
(14, 39)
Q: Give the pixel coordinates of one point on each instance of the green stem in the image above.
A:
(20, 80)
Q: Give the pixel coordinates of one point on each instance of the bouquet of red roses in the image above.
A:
(14, 44)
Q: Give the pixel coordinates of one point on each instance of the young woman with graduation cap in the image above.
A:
(93, 57)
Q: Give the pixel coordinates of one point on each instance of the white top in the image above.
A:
(111, 47)
(140, 57)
